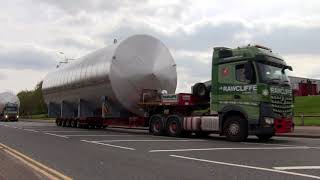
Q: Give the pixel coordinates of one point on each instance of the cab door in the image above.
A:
(237, 88)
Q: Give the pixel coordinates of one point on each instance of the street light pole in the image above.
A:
(66, 60)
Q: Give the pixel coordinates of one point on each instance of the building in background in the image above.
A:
(305, 86)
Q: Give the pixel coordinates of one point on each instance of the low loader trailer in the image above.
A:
(249, 94)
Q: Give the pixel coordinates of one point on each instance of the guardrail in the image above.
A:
(302, 116)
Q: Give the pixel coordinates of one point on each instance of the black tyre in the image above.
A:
(78, 124)
(156, 125)
(69, 123)
(200, 90)
(59, 122)
(235, 128)
(73, 123)
(174, 127)
(265, 137)
(64, 123)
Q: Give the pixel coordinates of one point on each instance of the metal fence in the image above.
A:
(303, 116)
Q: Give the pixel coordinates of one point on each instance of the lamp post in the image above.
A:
(66, 60)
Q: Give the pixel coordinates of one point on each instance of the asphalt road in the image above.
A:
(12, 168)
(126, 154)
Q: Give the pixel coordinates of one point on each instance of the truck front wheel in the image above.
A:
(235, 129)
(156, 125)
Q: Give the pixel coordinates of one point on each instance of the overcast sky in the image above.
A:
(34, 31)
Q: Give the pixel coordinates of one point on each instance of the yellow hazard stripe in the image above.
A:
(35, 165)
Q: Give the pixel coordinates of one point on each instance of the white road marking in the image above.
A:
(15, 127)
(57, 135)
(246, 166)
(268, 144)
(301, 138)
(64, 131)
(296, 167)
(234, 148)
(31, 130)
(95, 135)
(149, 140)
(110, 145)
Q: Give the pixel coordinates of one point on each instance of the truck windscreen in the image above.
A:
(11, 108)
(272, 73)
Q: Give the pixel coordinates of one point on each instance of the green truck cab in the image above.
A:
(251, 92)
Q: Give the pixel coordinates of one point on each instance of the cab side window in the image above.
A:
(240, 73)
(245, 73)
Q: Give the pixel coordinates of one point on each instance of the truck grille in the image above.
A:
(282, 105)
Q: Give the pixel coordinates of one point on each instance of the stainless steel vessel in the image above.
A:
(8, 97)
(119, 73)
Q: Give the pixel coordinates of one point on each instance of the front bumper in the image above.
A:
(284, 125)
(280, 125)
(10, 118)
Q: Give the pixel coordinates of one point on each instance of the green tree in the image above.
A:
(32, 102)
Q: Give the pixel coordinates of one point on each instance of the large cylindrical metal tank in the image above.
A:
(119, 72)
(8, 97)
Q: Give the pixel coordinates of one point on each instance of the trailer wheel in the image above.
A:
(69, 123)
(63, 122)
(156, 125)
(59, 122)
(78, 125)
(235, 129)
(174, 128)
(264, 137)
(73, 123)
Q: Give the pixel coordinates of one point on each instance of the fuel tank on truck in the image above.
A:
(8, 98)
(119, 73)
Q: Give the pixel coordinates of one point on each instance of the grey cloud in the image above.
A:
(204, 37)
(25, 58)
(292, 40)
(194, 67)
(90, 5)
(73, 42)
(3, 76)
(286, 40)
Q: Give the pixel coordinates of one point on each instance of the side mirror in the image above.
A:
(286, 67)
(248, 71)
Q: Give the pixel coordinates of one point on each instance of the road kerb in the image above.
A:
(317, 136)
(35, 165)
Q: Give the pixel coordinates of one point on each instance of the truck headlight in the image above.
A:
(269, 120)
(6, 116)
(17, 116)
(265, 92)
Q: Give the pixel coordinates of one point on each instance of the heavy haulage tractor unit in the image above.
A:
(9, 107)
(133, 84)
